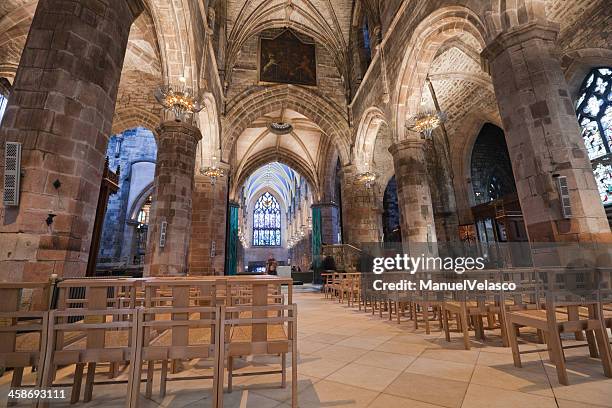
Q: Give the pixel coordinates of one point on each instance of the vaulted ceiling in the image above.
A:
(274, 176)
(303, 147)
(142, 54)
(327, 21)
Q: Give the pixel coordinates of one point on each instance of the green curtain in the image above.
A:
(232, 247)
(316, 237)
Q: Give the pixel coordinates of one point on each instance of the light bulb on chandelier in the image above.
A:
(179, 99)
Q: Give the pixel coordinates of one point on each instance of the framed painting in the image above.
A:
(286, 59)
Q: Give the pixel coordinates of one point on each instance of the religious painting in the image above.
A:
(288, 60)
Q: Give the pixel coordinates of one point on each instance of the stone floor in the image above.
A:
(351, 359)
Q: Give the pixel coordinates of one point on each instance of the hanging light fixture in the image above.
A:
(214, 172)
(179, 99)
(426, 122)
(367, 178)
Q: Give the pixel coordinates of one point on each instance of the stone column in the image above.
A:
(209, 226)
(61, 110)
(543, 136)
(413, 193)
(442, 191)
(330, 222)
(361, 210)
(172, 199)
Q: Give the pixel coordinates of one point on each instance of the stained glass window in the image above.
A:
(594, 110)
(267, 221)
(3, 103)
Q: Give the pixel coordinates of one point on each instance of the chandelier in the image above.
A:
(367, 178)
(426, 122)
(179, 99)
(213, 172)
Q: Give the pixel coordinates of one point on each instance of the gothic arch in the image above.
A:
(578, 63)
(257, 102)
(441, 26)
(275, 155)
(129, 117)
(367, 131)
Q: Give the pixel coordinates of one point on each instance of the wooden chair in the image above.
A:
(114, 343)
(180, 322)
(563, 288)
(23, 329)
(256, 321)
(327, 278)
(471, 308)
(94, 295)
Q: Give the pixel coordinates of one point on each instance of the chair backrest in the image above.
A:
(23, 324)
(97, 294)
(112, 330)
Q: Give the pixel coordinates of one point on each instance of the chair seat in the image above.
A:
(535, 318)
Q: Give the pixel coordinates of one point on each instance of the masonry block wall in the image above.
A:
(208, 225)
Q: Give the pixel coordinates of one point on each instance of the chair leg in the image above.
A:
(444, 314)
(164, 376)
(592, 342)
(604, 347)
(465, 328)
(230, 373)
(426, 318)
(150, 371)
(556, 351)
(76, 386)
(284, 370)
(15, 383)
(513, 341)
(89, 380)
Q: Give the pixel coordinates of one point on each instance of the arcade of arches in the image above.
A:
(301, 99)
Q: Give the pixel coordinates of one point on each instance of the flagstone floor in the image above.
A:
(349, 358)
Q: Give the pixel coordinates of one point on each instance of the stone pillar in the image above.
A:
(209, 226)
(361, 210)
(61, 110)
(330, 222)
(442, 191)
(172, 199)
(413, 193)
(543, 136)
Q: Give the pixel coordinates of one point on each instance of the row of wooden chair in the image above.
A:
(127, 322)
(551, 301)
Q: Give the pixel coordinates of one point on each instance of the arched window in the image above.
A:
(3, 103)
(142, 229)
(391, 216)
(491, 169)
(266, 221)
(594, 110)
